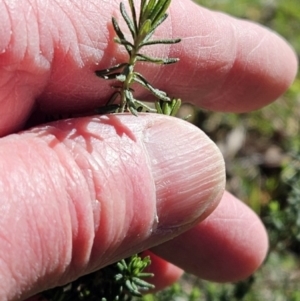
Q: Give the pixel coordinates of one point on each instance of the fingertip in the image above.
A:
(228, 246)
(189, 176)
(236, 239)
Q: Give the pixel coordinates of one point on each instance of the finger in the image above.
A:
(225, 64)
(79, 194)
(228, 246)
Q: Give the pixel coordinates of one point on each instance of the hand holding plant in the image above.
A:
(62, 216)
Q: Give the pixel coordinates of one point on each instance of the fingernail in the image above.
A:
(188, 171)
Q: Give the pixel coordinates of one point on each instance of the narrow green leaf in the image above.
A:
(133, 111)
(175, 104)
(117, 29)
(130, 102)
(127, 20)
(161, 61)
(132, 288)
(158, 107)
(113, 98)
(147, 109)
(146, 274)
(124, 42)
(120, 34)
(143, 8)
(159, 11)
(144, 30)
(133, 13)
(156, 92)
(147, 10)
(142, 283)
(118, 277)
(145, 58)
(128, 70)
(109, 70)
(108, 76)
(169, 61)
(166, 108)
(154, 26)
(122, 265)
(150, 7)
(154, 42)
(107, 109)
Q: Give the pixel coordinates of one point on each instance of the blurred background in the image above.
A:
(262, 154)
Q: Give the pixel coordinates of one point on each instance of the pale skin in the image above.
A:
(80, 194)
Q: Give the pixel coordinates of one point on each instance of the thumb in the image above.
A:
(79, 194)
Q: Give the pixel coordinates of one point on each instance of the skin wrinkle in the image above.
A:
(134, 183)
(242, 59)
(23, 34)
(39, 250)
(256, 47)
(205, 182)
(23, 68)
(8, 278)
(168, 53)
(89, 54)
(102, 37)
(121, 207)
(72, 176)
(234, 217)
(243, 237)
(228, 62)
(210, 42)
(40, 58)
(6, 27)
(122, 203)
(45, 216)
(47, 31)
(32, 217)
(86, 161)
(175, 22)
(71, 33)
(29, 28)
(166, 172)
(229, 65)
(211, 166)
(83, 34)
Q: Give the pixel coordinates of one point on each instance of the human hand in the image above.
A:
(79, 194)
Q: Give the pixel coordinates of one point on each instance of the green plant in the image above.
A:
(116, 282)
(152, 14)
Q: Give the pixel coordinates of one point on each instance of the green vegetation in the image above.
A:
(117, 282)
(151, 15)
